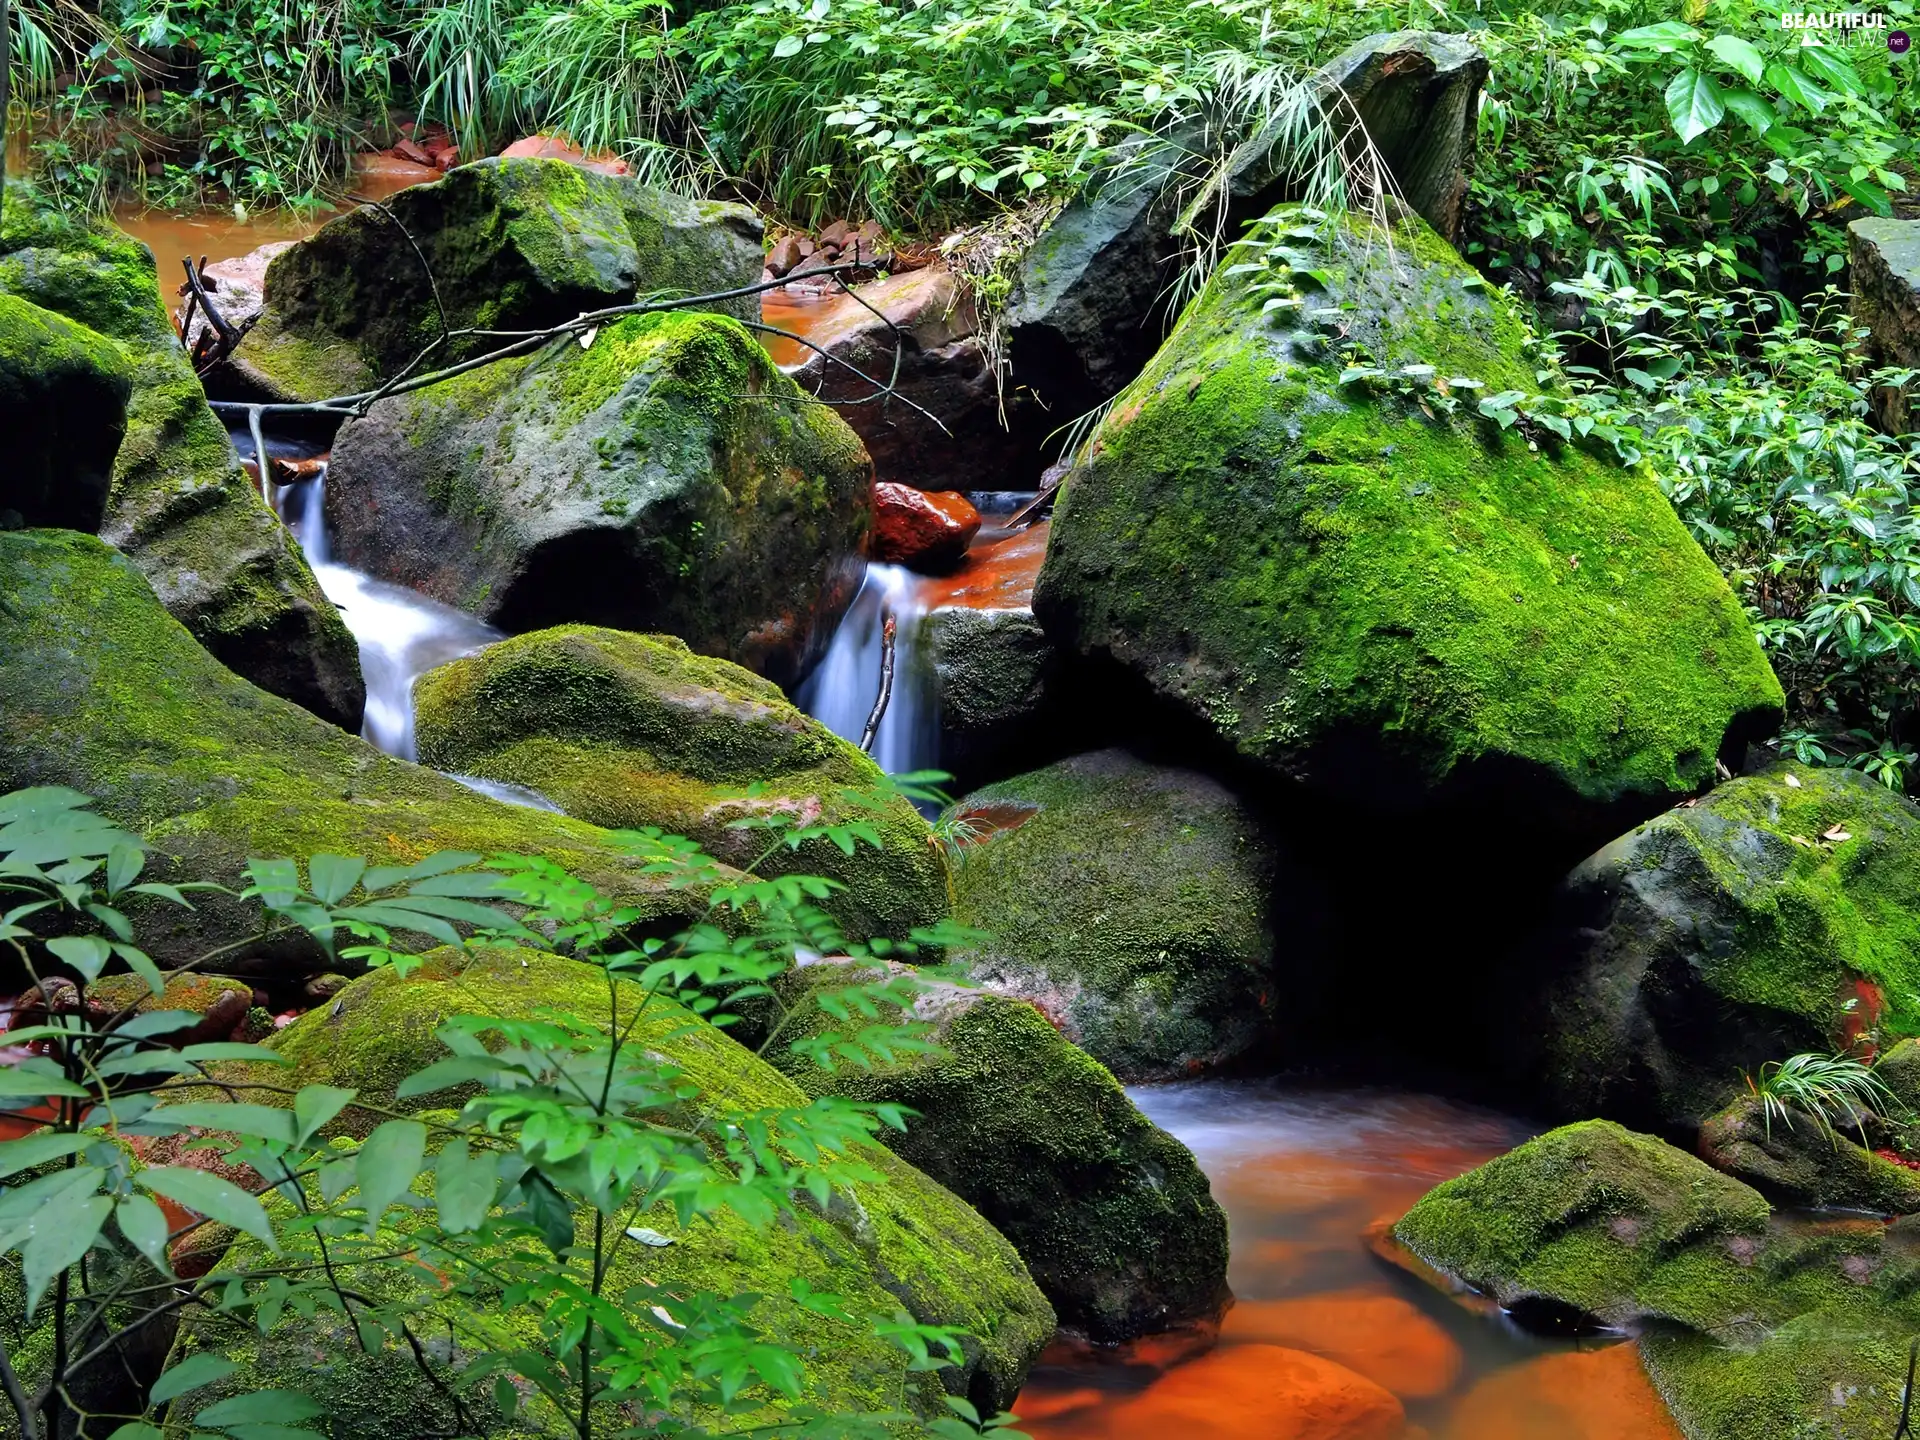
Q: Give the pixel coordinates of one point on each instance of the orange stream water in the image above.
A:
(1327, 1341)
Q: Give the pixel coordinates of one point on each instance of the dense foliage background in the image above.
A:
(1671, 193)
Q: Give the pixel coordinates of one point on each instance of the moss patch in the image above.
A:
(1131, 905)
(628, 730)
(1387, 606)
(63, 403)
(1110, 1212)
(181, 507)
(904, 1242)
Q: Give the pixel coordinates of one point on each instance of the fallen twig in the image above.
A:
(886, 685)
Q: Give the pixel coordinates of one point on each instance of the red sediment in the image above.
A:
(996, 576)
(556, 147)
(1572, 1395)
(376, 176)
(1379, 1336)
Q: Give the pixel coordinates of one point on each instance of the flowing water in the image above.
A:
(1307, 1177)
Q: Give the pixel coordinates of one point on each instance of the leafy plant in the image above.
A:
(576, 1131)
(1828, 1090)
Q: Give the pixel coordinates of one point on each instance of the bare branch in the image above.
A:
(887, 631)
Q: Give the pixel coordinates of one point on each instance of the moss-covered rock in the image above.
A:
(63, 409)
(626, 731)
(668, 478)
(512, 244)
(1111, 1213)
(903, 1242)
(995, 675)
(102, 690)
(1752, 925)
(1754, 1326)
(1406, 611)
(181, 508)
(1130, 902)
(1797, 1163)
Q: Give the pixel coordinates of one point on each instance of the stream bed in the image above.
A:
(1305, 1176)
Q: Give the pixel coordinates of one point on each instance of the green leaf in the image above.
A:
(18, 1155)
(265, 1122)
(158, 1022)
(39, 801)
(271, 1407)
(1828, 63)
(789, 45)
(145, 1226)
(459, 1070)
(57, 1237)
(86, 953)
(190, 1374)
(35, 1079)
(385, 877)
(332, 877)
(124, 863)
(387, 1164)
(1667, 35)
(211, 1196)
(1756, 112)
(1693, 104)
(464, 1185)
(234, 1050)
(1797, 88)
(136, 1430)
(315, 1105)
(1740, 55)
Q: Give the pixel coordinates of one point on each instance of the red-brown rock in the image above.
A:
(552, 147)
(445, 157)
(413, 153)
(785, 254)
(1379, 1336)
(1261, 1392)
(835, 235)
(924, 529)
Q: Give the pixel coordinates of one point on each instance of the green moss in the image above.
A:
(63, 401)
(1317, 573)
(512, 245)
(901, 1241)
(181, 507)
(627, 731)
(106, 693)
(1111, 1214)
(1132, 904)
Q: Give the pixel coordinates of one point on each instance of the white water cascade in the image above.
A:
(402, 633)
(840, 693)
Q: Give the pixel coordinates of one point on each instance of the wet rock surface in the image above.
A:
(921, 529)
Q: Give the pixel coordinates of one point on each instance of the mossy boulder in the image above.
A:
(1130, 902)
(903, 1242)
(668, 478)
(511, 244)
(1795, 1162)
(626, 731)
(1111, 1213)
(102, 690)
(63, 409)
(995, 675)
(1775, 915)
(1753, 1326)
(181, 508)
(1417, 613)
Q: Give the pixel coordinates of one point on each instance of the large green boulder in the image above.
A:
(519, 244)
(1754, 1326)
(627, 731)
(1393, 604)
(181, 508)
(1778, 914)
(103, 691)
(1130, 902)
(668, 478)
(901, 1242)
(1797, 1161)
(1112, 1214)
(63, 409)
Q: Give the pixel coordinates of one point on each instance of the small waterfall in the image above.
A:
(402, 633)
(841, 691)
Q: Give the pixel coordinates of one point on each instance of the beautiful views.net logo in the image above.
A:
(1845, 27)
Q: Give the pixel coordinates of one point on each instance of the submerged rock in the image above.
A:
(1753, 1326)
(1130, 902)
(627, 731)
(181, 507)
(898, 1242)
(511, 244)
(63, 409)
(1794, 1161)
(1295, 1394)
(1773, 916)
(101, 690)
(1110, 1213)
(1421, 615)
(666, 479)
